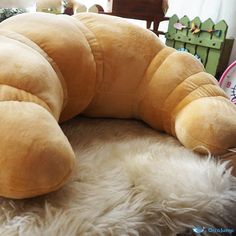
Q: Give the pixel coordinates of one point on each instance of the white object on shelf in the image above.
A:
(109, 5)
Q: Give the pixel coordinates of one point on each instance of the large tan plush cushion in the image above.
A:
(55, 67)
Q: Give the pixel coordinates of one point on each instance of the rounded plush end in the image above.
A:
(207, 125)
(35, 156)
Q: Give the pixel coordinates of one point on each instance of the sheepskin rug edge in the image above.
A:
(128, 180)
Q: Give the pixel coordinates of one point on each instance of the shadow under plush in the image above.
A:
(128, 180)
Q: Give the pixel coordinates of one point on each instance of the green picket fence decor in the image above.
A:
(205, 40)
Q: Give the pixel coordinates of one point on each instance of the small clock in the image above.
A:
(228, 82)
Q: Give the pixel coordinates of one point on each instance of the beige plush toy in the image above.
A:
(54, 67)
(51, 6)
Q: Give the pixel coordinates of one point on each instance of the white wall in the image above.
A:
(16, 3)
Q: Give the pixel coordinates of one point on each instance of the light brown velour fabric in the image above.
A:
(54, 67)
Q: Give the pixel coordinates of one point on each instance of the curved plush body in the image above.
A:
(56, 67)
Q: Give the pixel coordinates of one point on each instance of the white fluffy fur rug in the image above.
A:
(129, 180)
